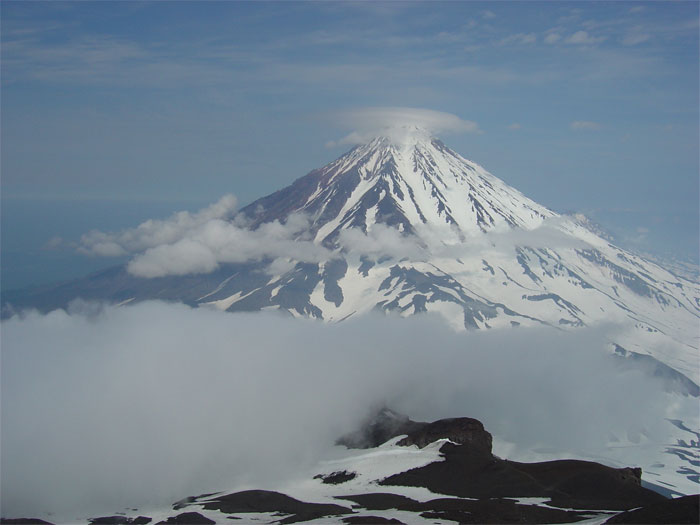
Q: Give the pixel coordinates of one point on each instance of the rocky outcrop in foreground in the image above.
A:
(470, 485)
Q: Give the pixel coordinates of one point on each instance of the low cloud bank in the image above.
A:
(109, 407)
(192, 243)
(154, 232)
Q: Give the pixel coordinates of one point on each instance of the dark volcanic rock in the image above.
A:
(383, 501)
(189, 500)
(268, 501)
(471, 473)
(110, 520)
(386, 424)
(471, 470)
(500, 511)
(584, 484)
(120, 520)
(187, 518)
(370, 520)
(462, 431)
(23, 521)
(679, 510)
(336, 478)
(474, 472)
(379, 428)
(467, 511)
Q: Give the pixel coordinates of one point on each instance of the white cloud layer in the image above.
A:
(192, 243)
(584, 38)
(155, 232)
(432, 242)
(395, 122)
(104, 408)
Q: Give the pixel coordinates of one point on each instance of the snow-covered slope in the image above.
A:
(405, 184)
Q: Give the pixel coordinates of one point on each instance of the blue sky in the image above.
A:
(114, 112)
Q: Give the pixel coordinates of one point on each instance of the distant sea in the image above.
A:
(28, 257)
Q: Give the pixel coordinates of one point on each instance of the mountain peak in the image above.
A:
(404, 136)
(405, 179)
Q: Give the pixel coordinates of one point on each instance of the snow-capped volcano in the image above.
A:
(492, 257)
(404, 224)
(404, 180)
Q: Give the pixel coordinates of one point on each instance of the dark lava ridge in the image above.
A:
(468, 511)
(336, 478)
(268, 501)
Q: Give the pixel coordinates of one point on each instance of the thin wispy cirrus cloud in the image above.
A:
(584, 125)
(519, 38)
(110, 59)
(635, 38)
(583, 38)
(552, 38)
(107, 59)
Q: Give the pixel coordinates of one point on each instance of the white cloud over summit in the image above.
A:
(395, 122)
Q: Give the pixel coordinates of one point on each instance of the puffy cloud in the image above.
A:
(155, 232)
(142, 405)
(189, 243)
(192, 243)
(396, 122)
(180, 258)
(514, 126)
(382, 241)
(445, 242)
